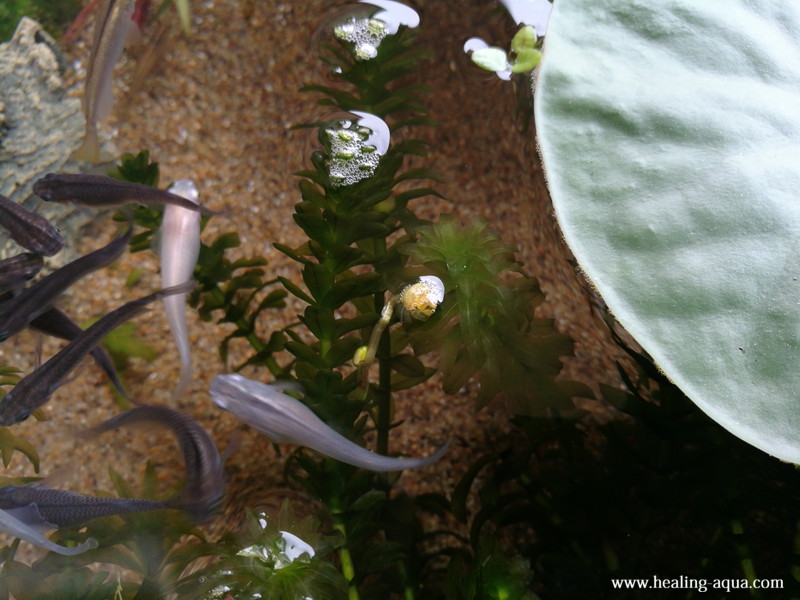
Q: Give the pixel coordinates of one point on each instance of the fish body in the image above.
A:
(98, 190)
(17, 269)
(285, 419)
(30, 230)
(205, 475)
(35, 389)
(55, 323)
(31, 302)
(179, 249)
(110, 33)
(23, 530)
(61, 508)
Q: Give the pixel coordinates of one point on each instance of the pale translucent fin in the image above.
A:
(31, 516)
(24, 531)
(185, 380)
(90, 148)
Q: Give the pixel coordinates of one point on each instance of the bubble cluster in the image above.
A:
(283, 552)
(352, 158)
(365, 34)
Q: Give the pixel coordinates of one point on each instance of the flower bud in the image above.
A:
(360, 356)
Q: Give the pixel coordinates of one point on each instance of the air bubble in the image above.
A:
(366, 51)
(355, 149)
(367, 32)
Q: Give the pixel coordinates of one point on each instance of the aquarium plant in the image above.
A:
(54, 15)
(670, 174)
(557, 510)
(525, 54)
(10, 442)
(364, 253)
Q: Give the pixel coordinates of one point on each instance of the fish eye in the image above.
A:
(22, 415)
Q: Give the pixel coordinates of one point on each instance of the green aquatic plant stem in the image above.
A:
(384, 390)
(254, 341)
(386, 311)
(745, 555)
(384, 353)
(345, 558)
(408, 591)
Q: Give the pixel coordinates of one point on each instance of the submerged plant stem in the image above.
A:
(345, 557)
(408, 590)
(384, 354)
(384, 390)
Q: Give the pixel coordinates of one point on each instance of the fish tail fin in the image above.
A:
(89, 150)
(181, 288)
(105, 363)
(184, 382)
(192, 501)
(175, 308)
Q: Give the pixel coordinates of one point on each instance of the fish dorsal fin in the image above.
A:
(57, 478)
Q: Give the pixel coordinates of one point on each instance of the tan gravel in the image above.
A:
(218, 107)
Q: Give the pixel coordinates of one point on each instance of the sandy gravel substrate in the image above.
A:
(218, 107)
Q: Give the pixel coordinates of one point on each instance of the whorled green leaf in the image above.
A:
(137, 168)
(670, 133)
(485, 326)
(9, 442)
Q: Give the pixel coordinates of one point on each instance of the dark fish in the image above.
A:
(19, 268)
(17, 312)
(25, 526)
(35, 389)
(60, 508)
(55, 323)
(31, 231)
(205, 476)
(286, 420)
(99, 190)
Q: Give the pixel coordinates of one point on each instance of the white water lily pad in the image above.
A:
(670, 135)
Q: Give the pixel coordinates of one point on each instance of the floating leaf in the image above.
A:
(670, 133)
